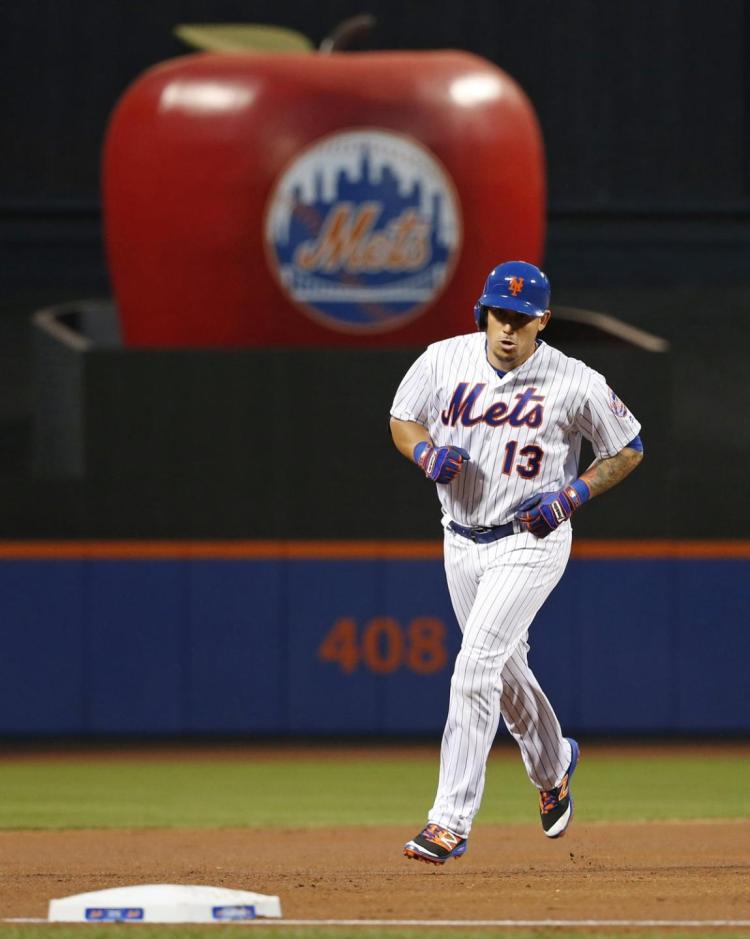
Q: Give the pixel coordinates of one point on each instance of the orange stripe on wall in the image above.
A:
(343, 550)
(662, 548)
(226, 550)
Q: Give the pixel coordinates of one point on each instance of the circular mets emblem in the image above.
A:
(616, 405)
(363, 230)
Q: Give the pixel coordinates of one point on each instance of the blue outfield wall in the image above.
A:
(306, 646)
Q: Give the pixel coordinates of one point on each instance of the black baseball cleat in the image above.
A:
(556, 805)
(435, 845)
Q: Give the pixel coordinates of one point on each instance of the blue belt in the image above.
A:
(481, 535)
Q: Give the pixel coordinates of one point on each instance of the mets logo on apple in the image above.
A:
(363, 230)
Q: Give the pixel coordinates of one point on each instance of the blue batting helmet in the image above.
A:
(515, 285)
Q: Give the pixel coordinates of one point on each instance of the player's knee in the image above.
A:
(476, 676)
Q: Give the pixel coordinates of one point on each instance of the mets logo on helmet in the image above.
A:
(515, 285)
(363, 230)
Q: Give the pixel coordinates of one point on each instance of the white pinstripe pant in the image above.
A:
(496, 590)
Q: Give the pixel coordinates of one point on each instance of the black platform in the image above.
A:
(268, 443)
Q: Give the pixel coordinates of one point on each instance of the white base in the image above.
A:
(163, 903)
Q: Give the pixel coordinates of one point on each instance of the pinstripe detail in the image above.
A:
(576, 404)
(498, 588)
(496, 591)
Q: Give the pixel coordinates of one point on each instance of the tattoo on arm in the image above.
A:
(604, 474)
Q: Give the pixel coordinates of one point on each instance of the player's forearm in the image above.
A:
(605, 474)
(542, 513)
(406, 435)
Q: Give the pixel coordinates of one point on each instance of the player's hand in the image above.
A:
(440, 464)
(546, 511)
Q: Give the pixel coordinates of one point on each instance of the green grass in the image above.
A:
(201, 793)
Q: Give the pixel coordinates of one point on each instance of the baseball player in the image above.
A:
(496, 418)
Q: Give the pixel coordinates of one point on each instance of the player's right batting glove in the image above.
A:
(440, 464)
(546, 511)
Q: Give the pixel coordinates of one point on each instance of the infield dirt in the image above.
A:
(665, 870)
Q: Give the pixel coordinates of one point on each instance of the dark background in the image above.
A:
(644, 111)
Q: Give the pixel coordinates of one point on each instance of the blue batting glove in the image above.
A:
(440, 464)
(544, 512)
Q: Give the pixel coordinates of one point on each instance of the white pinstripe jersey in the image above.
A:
(523, 430)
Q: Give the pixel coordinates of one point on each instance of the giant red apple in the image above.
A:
(291, 199)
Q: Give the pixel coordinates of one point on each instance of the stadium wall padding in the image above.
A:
(353, 642)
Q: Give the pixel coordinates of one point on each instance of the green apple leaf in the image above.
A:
(242, 37)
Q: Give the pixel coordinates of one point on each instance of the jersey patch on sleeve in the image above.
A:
(618, 407)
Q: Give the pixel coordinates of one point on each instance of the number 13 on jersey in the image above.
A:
(529, 460)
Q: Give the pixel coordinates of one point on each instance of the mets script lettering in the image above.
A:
(348, 241)
(523, 413)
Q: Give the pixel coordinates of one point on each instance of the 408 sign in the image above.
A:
(383, 645)
(363, 230)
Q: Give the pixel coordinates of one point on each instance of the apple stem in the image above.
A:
(342, 36)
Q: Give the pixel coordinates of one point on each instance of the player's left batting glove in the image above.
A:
(546, 511)
(440, 464)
